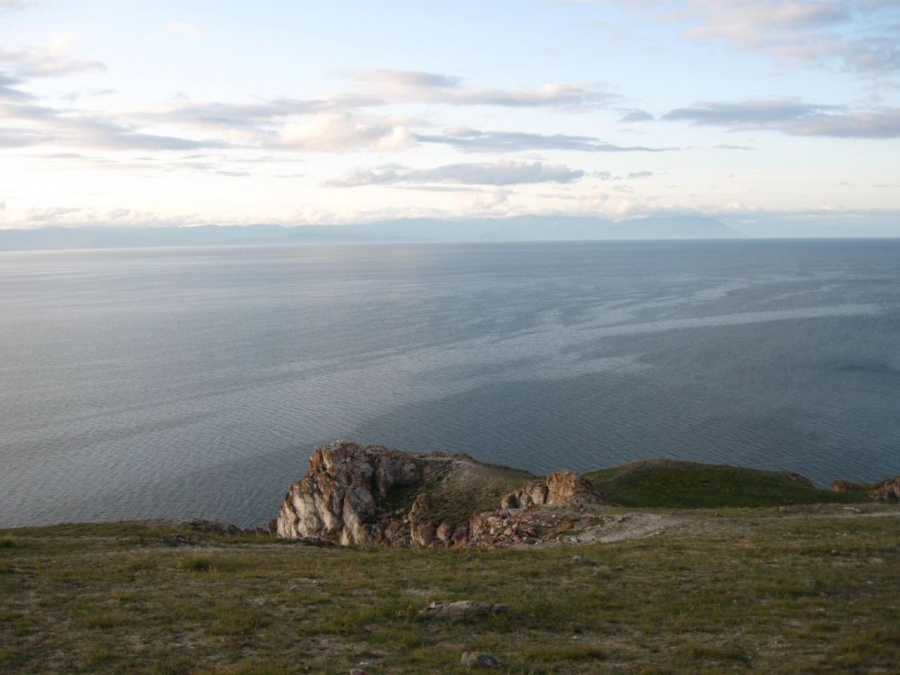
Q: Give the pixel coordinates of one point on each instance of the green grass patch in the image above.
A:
(687, 485)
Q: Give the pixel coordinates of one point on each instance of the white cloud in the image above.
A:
(748, 114)
(793, 117)
(38, 124)
(756, 23)
(482, 202)
(412, 85)
(878, 124)
(9, 88)
(86, 216)
(344, 132)
(474, 140)
(499, 174)
(858, 35)
(634, 175)
(408, 79)
(255, 114)
(636, 116)
(53, 60)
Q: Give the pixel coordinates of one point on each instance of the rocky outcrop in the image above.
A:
(515, 522)
(337, 499)
(560, 487)
(478, 660)
(349, 496)
(842, 485)
(887, 490)
(463, 607)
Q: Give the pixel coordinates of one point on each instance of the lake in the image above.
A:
(193, 382)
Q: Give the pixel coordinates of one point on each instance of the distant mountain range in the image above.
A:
(408, 230)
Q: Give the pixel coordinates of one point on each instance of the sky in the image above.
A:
(778, 117)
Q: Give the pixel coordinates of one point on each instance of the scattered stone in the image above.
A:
(178, 540)
(478, 660)
(461, 607)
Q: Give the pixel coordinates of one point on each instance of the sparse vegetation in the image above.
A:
(467, 490)
(788, 588)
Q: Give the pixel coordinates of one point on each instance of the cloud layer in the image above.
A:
(859, 35)
(792, 117)
(695, 105)
(473, 140)
(413, 85)
(501, 173)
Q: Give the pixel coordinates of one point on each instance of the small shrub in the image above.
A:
(195, 563)
(104, 620)
(7, 542)
(100, 655)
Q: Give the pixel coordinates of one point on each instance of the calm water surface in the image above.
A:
(194, 382)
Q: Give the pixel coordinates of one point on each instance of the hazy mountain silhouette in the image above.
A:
(521, 228)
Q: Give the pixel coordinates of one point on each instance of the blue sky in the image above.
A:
(782, 117)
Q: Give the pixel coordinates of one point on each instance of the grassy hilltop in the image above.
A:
(709, 569)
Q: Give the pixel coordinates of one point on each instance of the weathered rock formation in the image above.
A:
(887, 490)
(354, 495)
(560, 487)
(843, 485)
(336, 500)
(514, 522)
